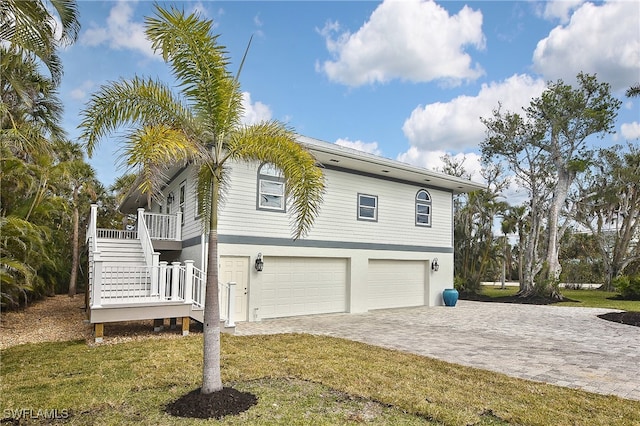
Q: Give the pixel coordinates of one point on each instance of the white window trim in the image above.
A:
(273, 179)
(375, 208)
(429, 204)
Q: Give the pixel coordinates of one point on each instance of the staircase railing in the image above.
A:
(92, 240)
(150, 256)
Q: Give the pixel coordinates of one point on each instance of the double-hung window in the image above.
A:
(271, 190)
(368, 207)
(423, 208)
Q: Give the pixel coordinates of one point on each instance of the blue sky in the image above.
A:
(406, 79)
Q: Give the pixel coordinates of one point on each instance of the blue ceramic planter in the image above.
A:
(450, 296)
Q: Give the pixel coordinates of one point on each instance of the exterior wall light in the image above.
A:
(259, 263)
(434, 265)
(170, 198)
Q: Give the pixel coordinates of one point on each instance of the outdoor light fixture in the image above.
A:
(434, 265)
(259, 263)
(170, 198)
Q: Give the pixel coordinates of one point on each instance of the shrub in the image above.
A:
(628, 286)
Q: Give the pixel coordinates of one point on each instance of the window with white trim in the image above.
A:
(182, 198)
(271, 190)
(368, 207)
(423, 208)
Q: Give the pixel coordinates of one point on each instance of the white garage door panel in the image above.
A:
(302, 286)
(396, 283)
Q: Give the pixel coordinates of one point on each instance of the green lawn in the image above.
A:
(299, 380)
(585, 298)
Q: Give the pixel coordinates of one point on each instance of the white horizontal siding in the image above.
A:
(338, 216)
(192, 226)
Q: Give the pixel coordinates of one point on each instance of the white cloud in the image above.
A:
(201, 10)
(456, 125)
(560, 9)
(120, 32)
(598, 39)
(370, 147)
(630, 130)
(80, 92)
(415, 40)
(254, 112)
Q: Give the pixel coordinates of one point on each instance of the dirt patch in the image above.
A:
(53, 319)
(216, 405)
(61, 318)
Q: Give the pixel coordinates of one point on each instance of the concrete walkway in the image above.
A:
(559, 345)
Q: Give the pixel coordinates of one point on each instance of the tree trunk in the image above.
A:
(75, 250)
(559, 198)
(211, 380)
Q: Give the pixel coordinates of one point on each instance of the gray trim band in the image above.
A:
(287, 242)
(195, 241)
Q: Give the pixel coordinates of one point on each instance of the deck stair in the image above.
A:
(121, 251)
(127, 280)
(125, 272)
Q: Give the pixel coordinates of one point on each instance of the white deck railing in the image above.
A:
(119, 284)
(116, 234)
(164, 226)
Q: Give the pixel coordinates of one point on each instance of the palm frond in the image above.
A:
(151, 150)
(271, 142)
(199, 64)
(136, 102)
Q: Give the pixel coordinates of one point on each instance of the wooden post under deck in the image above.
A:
(185, 326)
(98, 332)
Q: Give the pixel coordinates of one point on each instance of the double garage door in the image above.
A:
(303, 286)
(293, 286)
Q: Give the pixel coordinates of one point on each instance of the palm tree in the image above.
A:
(201, 124)
(30, 28)
(75, 177)
(633, 91)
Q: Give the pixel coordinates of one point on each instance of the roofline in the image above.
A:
(358, 161)
(457, 184)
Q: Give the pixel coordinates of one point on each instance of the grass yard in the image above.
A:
(583, 298)
(298, 379)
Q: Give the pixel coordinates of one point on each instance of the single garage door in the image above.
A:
(396, 283)
(303, 286)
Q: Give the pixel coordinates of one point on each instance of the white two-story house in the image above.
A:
(383, 239)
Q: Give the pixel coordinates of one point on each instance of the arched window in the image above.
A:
(270, 188)
(423, 208)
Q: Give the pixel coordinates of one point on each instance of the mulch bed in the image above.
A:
(628, 318)
(216, 405)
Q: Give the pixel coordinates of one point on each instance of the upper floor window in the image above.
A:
(423, 208)
(271, 190)
(182, 198)
(367, 207)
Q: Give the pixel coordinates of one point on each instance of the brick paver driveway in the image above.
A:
(560, 345)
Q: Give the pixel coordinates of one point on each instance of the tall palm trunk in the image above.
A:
(211, 380)
(75, 249)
